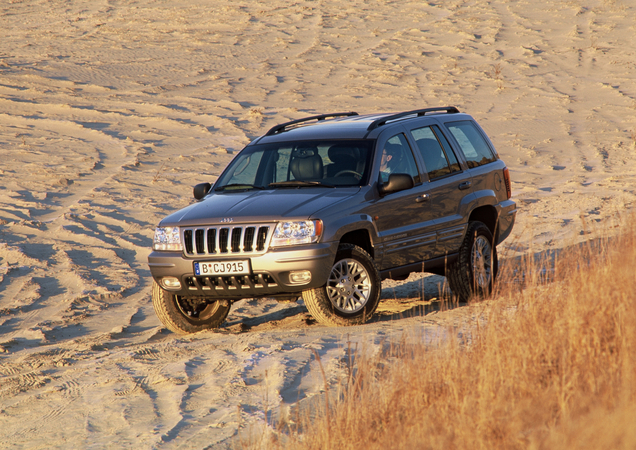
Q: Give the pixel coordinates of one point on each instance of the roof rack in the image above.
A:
(280, 128)
(420, 112)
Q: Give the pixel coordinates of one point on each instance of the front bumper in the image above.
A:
(270, 272)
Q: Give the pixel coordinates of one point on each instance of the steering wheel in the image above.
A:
(355, 174)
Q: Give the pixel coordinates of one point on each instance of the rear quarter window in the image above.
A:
(472, 143)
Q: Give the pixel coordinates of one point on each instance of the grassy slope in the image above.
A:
(552, 365)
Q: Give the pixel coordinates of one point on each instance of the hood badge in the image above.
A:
(227, 220)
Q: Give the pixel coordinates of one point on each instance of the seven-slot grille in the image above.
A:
(226, 240)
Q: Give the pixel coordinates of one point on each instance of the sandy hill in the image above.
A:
(110, 111)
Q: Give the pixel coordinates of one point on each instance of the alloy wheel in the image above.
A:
(349, 286)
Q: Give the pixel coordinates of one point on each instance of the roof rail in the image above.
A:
(420, 112)
(280, 128)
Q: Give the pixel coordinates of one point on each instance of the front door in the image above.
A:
(406, 232)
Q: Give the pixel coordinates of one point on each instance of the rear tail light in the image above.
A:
(506, 174)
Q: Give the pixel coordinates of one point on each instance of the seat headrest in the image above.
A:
(429, 144)
(341, 154)
(304, 151)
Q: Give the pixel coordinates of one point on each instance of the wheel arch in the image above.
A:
(361, 238)
(487, 215)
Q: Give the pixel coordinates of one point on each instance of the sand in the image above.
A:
(111, 111)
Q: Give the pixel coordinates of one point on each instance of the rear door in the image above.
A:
(449, 186)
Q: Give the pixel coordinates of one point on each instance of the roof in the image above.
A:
(347, 125)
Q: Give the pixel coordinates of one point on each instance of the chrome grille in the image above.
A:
(226, 240)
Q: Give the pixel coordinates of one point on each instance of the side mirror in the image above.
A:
(397, 182)
(201, 190)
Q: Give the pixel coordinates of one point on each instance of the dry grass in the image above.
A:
(551, 365)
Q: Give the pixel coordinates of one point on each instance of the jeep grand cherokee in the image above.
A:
(327, 206)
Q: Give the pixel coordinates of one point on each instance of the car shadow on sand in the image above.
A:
(404, 309)
(419, 295)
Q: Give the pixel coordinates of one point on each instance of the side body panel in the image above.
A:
(402, 219)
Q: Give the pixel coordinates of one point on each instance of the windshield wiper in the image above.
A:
(299, 183)
(238, 186)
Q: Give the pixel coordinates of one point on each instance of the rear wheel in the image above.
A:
(473, 273)
(352, 292)
(187, 315)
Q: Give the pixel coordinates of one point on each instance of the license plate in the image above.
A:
(222, 268)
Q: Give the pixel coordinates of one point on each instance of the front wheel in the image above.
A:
(352, 292)
(187, 315)
(473, 273)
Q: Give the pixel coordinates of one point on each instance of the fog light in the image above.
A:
(170, 283)
(300, 277)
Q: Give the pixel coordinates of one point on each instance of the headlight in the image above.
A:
(167, 238)
(292, 233)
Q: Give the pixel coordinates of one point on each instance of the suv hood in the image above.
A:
(259, 206)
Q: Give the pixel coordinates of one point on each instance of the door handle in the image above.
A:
(422, 198)
(465, 185)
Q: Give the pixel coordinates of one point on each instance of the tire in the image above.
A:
(352, 292)
(474, 272)
(184, 316)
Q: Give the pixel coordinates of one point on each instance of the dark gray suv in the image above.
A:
(326, 207)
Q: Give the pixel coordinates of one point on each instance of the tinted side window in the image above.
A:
(439, 161)
(472, 143)
(450, 154)
(397, 157)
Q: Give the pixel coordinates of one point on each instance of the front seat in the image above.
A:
(343, 158)
(307, 166)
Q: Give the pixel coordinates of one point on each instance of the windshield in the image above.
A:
(331, 163)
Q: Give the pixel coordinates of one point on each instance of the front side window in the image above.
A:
(436, 152)
(332, 163)
(397, 157)
(472, 143)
